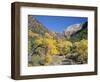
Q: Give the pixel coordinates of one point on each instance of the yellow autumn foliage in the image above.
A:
(39, 41)
(51, 46)
(50, 42)
(64, 46)
(81, 47)
(48, 59)
(53, 51)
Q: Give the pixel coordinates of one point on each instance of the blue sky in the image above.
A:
(59, 23)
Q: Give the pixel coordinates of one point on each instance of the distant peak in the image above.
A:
(72, 29)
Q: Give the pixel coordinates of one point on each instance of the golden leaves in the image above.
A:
(48, 59)
(81, 46)
(47, 46)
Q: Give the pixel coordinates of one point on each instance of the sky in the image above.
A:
(59, 23)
